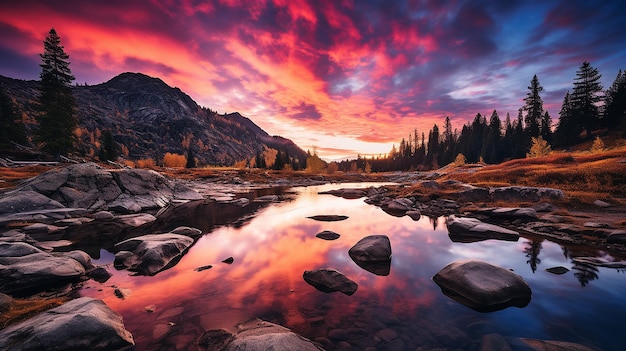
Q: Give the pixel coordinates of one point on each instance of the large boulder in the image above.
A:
(330, 280)
(256, 335)
(35, 272)
(152, 253)
(468, 230)
(483, 286)
(511, 213)
(525, 193)
(373, 253)
(27, 201)
(81, 324)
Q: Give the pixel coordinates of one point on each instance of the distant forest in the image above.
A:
(586, 108)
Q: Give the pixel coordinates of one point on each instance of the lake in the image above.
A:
(404, 310)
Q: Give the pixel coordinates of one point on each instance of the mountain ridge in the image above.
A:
(149, 118)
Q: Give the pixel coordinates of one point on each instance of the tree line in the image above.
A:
(587, 107)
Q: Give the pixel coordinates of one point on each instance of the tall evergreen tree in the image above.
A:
(546, 127)
(11, 129)
(533, 107)
(57, 121)
(491, 149)
(585, 97)
(521, 140)
(566, 131)
(507, 140)
(191, 159)
(615, 102)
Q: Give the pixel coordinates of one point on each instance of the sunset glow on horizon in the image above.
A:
(343, 77)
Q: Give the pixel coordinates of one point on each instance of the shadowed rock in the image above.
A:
(151, 253)
(81, 324)
(482, 286)
(328, 218)
(373, 253)
(256, 335)
(557, 270)
(468, 230)
(328, 235)
(329, 280)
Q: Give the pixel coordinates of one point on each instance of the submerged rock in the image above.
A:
(468, 230)
(151, 253)
(330, 280)
(81, 324)
(256, 335)
(483, 286)
(373, 253)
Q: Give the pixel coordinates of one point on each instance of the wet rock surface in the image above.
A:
(482, 286)
(83, 323)
(469, 230)
(152, 253)
(373, 253)
(330, 280)
(256, 335)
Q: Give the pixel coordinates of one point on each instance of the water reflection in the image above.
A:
(272, 250)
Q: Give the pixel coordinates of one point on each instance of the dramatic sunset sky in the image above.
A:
(345, 76)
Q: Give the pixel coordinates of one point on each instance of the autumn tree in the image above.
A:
(57, 120)
(585, 97)
(534, 108)
(11, 129)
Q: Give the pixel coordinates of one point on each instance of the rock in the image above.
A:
(17, 249)
(595, 225)
(26, 201)
(386, 335)
(468, 230)
(120, 259)
(5, 302)
(617, 237)
(187, 231)
(229, 260)
(329, 280)
(598, 262)
(557, 270)
(256, 335)
(203, 268)
(511, 213)
(545, 207)
(328, 218)
(602, 204)
(84, 323)
(494, 342)
(472, 193)
(103, 215)
(353, 193)
(99, 274)
(136, 220)
(153, 253)
(399, 205)
(267, 198)
(327, 235)
(554, 345)
(37, 272)
(482, 286)
(373, 253)
(414, 215)
(523, 193)
(81, 257)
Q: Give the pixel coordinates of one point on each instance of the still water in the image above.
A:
(402, 311)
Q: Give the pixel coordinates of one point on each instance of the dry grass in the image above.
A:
(22, 309)
(11, 176)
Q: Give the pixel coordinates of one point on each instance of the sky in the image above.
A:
(343, 77)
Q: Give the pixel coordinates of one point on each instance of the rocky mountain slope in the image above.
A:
(148, 118)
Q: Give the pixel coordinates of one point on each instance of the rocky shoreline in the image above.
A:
(50, 224)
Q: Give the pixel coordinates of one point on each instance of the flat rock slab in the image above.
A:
(327, 235)
(483, 286)
(328, 218)
(81, 324)
(330, 280)
(467, 230)
(256, 335)
(557, 270)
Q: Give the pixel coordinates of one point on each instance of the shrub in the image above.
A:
(174, 160)
(597, 146)
(539, 148)
(332, 168)
(459, 160)
(146, 163)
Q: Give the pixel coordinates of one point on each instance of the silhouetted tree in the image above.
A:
(191, 159)
(615, 102)
(534, 108)
(11, 128)
(532, 250)
(566, 131)
(491, 149)
(109, 149)
(546, 127)
(57, 121)
(585, 97)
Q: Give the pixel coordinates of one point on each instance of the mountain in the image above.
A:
(148, 118)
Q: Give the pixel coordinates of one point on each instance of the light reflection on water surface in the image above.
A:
(272, 250)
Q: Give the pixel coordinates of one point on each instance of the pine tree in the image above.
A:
(191, 159)
(11, 129)
(546, 127)
(57, 120)
(491, 149)
(585, 97)
(534, 108)
(567, 131)
(615, 102)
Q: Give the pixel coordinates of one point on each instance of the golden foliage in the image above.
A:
(146, 163)
(597, 146)
(240, 164)
(539, 148)
(314, 164)
(23, 309)
(174, 160)
(332, 168)
(459, 160)
(270, 157)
